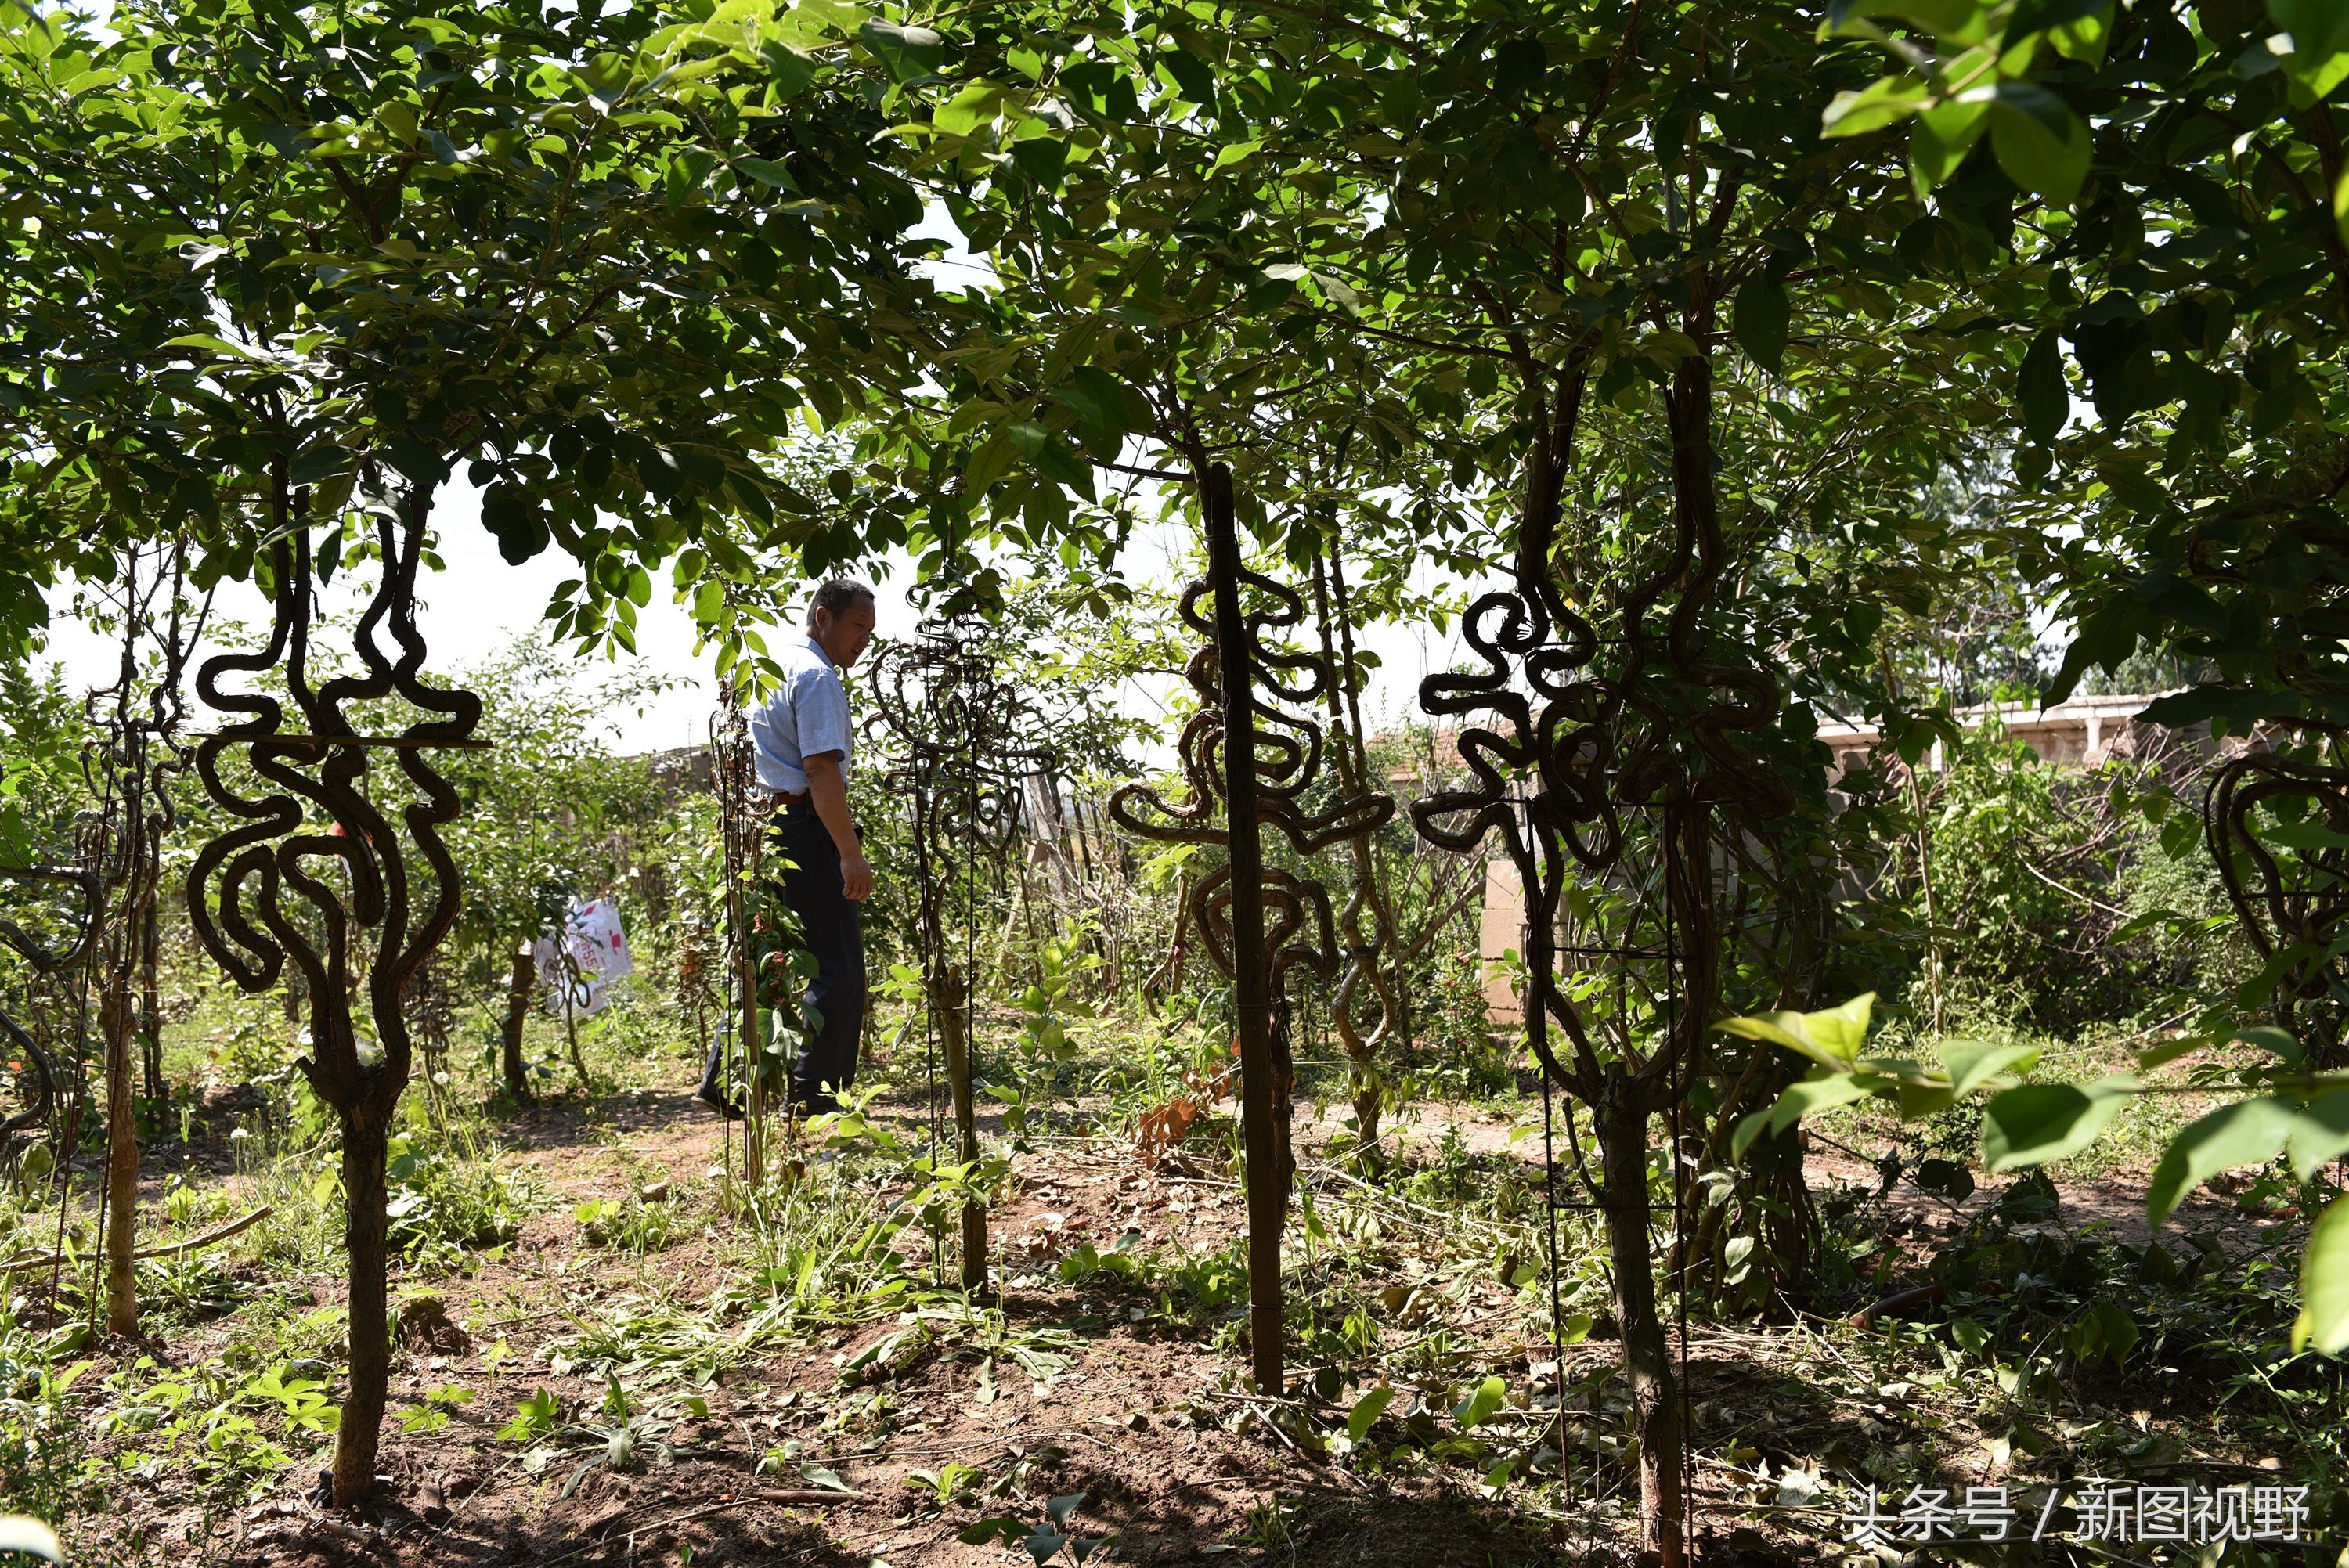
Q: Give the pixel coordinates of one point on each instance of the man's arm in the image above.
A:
(829, 793)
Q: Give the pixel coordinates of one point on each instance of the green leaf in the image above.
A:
(791, 70)
(1887, 102)
(2084, 39)
(2304, 836)
(2249, 1132)
(2046, 400)
(2037, 15)
(217, 345)
(2169, 1051)
(1056, 461)
(2324, 1321)
(1959, 19)
(1918, 1100)
(1973, 1063)
(2320, 1134)
(1194, 78)
(511, 513)
(1367, 1410)
(1813, 1095)
(2107, 1333)
(1832, 1038)
(1797, 1101)
(1760, 321)
(1940, 137)
(967, 111)
(1479, 1407)
(1946, 1180)
(1098, 400)
(319, 462)
(2268, 1037)
(2039, 142)
(815, 1474)
(767, 172)
(2038, 1122)
(19, 1532)
(2319, 60)
(909, 53)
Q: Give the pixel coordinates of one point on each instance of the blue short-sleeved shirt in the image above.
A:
(806, 717)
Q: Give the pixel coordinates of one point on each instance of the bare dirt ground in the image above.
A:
(1142, 1421)
(1136, 1423)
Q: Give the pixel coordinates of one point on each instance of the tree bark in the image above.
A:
(114, 1023)
(1622, 1130)
(1262, 1137)
(519, 984)
(948, 992)
(570, 1024)
(151, 1009)
(365, 1143)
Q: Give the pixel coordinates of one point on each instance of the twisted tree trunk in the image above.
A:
(365, 1143)
(1622, 1130)
(1264, 1139)
(151, 1010)
(948, 991)
(520, 983)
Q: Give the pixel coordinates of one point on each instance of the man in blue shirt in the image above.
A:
(801, 740)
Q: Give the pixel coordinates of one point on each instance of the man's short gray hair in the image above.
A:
(837, 596)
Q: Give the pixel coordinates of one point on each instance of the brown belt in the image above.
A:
(783, 797)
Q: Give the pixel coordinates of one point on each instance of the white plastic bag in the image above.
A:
(599, 951)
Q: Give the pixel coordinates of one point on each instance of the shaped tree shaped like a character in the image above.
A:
(959, 741)
(1614, 766)
(356, 878)
(1269, 760)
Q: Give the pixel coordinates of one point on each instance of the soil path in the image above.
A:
(759, 1445)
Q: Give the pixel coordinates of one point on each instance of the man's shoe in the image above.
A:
(718, 1103)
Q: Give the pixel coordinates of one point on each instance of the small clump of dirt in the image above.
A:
(426, 1329)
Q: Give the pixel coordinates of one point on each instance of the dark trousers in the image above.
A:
(832, 1010)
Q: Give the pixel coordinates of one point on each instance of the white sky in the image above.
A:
(479, 605)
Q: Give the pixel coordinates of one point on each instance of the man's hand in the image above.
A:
(856, 877)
